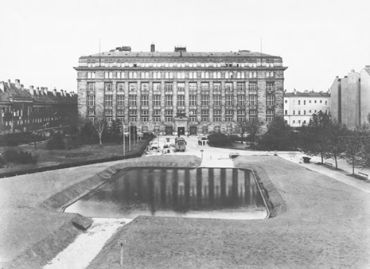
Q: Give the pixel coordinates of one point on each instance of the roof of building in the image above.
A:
(182, 54)
(14, 92)
(307, 94)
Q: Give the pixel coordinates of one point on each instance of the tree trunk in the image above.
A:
(336, 161)
(322, 157)
(242, 138)
(353, 165)
(100, 142)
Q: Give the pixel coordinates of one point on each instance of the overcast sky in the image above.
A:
(41, 40)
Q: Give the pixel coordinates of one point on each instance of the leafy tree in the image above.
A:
(218, 140)
(251, 127)
(335, 145)
(277, 137)
(354, 146)
(315, 136)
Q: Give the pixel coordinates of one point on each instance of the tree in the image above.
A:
(315, 136)
(99, 126)
(335, 143)
(353, 144)
(251, 127)
(278, 136)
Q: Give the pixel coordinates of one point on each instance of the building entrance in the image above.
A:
(181, 131)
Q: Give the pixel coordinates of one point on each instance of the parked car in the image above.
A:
(233, 155)
(180, 144)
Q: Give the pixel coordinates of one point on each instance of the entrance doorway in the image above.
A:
(181, 131)
(193, 130)
(168, 130)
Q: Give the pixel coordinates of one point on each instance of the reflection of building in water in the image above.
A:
(190, 189)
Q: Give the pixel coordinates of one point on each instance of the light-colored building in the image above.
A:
(180, 92)
(299, 106)
(350, 98)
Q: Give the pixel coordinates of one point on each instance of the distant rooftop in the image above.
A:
(307, 94)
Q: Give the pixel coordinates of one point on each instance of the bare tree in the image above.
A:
(251, 127)
(100, 125)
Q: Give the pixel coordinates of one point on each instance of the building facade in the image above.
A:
(180, 92)
(34, 109)
(350, 98)
(299, 106)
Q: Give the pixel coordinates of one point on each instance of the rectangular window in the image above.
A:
(144, 114)
(108, 87)
(228, 100)
(192, 100)
(144, 100)
(132, 100)
(204, 99)
(217, 115)
(270, 100)
(168, 115)
(90, 103)
(253, 99)
(181, 100)
(144, 88)
(168, 87)
(252, 115)
(121, 87)
(120, 100)
(252, 86)
(133, 87)
(216, 88)
(157, 100)
(240, 87)
(180, 88)
(204, 86)
(228, 88)
(270, 86)
(240, 99)
(229, 115)
(168, 100)
(132, 115)
(192, 87)
(204, 115)
(269, 115)
(156, 87)
(217, 99)
(108, 104)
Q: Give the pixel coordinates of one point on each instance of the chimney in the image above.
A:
(152, 48)
(17, 83)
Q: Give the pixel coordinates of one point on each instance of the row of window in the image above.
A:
(193, 117)
(180, 87)
(180, 75)
(309, 101)
(181, 65)
(310, 112)
(204, 99)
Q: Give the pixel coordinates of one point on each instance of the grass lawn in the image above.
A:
(66, 156)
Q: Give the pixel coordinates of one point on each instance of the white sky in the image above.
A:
(41, 40)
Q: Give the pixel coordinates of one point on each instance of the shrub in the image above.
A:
(18, 156)
(56, 142)
(19, 138)
(218, 140)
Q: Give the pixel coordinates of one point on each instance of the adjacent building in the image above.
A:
(34, 109)
(180, 92)
(299, 106)
(350, 98)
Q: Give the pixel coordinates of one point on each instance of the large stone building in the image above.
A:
(350, 98)
(34, 109)
(180, 92)
(299, 106)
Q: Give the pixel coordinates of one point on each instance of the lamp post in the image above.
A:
(123, 138)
